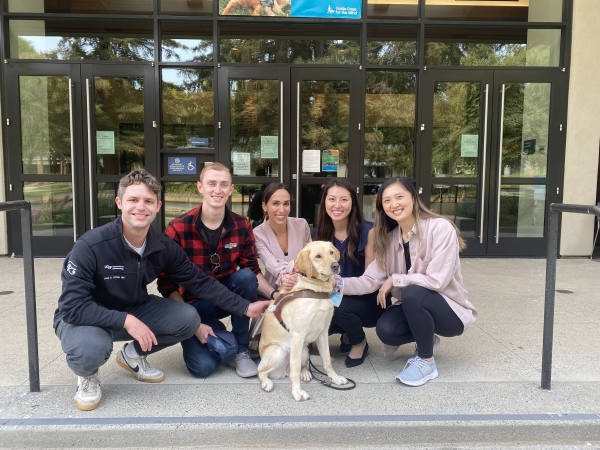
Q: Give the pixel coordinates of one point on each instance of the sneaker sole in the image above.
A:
(247, 375)
(86, 407)
(420, 382)
(145, 380)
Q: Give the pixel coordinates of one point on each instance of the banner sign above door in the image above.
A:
(336, 9)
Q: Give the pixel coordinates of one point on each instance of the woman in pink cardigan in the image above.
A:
(417, 260)
(279, 239)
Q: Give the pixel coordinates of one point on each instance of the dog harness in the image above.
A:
(305, 293)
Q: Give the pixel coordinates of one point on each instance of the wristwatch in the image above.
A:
(273, 293)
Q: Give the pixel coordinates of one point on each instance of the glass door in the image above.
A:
(253, 136)
(326, 133)
(454, 179)
(120, 132)
(526, 156)
(491, 145)
(45, 154)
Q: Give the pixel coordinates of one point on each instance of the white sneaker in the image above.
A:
(89, 392)
(139, 367)
(244, 366)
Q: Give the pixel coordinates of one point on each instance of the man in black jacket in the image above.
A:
(104, 297)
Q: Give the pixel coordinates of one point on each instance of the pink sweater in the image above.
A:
(435, 265)
(270, 253)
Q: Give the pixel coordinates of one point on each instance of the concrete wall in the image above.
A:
(3, 237)
(583, 134)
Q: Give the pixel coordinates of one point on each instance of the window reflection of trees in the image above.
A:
(390, 124)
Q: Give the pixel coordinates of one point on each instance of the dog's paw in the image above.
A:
(300, 395)
(338, 380)
(305, 375)
(267, 385)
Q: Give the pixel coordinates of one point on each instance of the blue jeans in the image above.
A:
(199, 360)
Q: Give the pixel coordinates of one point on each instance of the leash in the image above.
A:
(270, 308)
(327, 381)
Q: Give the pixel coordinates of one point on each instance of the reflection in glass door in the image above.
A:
(454, 174)
(326, 126)
(43, 166)
(120, 135)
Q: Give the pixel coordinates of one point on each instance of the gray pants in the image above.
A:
(89, 347)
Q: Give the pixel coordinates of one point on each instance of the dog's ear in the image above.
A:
(303, 264)
(335, 251)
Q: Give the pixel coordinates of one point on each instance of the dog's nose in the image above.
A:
(335, 267)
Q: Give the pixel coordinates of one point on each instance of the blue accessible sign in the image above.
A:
(338, 9)
(179, 165)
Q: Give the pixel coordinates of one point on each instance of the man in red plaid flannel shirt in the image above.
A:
(218, 242)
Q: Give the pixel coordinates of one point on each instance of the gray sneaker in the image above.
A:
(244, 366)
(139, 367)
(89, 392)
(418, 372)
(436, 344)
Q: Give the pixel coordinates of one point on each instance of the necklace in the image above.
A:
(342, 240)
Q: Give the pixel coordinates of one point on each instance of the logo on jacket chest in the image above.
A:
(230, 245)
(114, 267)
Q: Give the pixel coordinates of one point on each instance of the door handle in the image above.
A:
(73, 187)
(298, 169)
(281, 132)
(89, 130)
(500, 163)
(485, 121)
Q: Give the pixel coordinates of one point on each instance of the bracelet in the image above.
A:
(272, 293)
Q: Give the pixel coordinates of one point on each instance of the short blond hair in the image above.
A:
(214, 166)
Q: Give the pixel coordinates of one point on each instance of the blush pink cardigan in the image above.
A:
(435, 265)
(270, 253)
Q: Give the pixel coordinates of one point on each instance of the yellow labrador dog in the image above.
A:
(297, 321)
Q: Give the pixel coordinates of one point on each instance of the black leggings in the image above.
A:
(355, 313)
(422, 314)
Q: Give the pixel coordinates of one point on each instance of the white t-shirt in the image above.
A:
(140, 250)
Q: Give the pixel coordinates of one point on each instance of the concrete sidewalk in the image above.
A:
(488, 389)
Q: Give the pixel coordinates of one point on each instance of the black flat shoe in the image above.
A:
(351, 362)
(344, 348)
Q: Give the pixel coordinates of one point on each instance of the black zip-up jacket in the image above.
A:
(103, 278)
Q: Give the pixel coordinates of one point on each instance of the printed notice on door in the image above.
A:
(105, 142)
(311, 161)
(241, 163)
(469, 146)
(268, 147)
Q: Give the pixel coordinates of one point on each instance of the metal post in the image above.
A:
(30, 304)
(550, 295)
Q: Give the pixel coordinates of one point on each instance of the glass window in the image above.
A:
(492, 47)
(45, 125)
(51, 208)
(81, 40)
(297, 44)
(525, 129)
(254, 106)
(107, 208)
(514, 10)
(309, 202)
(246, 201)
(179, 198)
(522, 211)
(457, 203)
(119, 124)
(325, 128)
(185, 42)
(456, 122)
(389, 124)
(392, 9)
(391, 45)
(188, 116)
(187, 7)
(370, 192)
(81, 6)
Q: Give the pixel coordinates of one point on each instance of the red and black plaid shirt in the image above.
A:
(236, 247)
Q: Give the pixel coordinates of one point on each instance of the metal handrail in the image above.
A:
(30, 303)
(554, 210)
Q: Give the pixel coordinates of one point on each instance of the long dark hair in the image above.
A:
(384, 224)
(325, 228)
(270, 190)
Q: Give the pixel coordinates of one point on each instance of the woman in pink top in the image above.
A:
(417, 261)
(279, 239)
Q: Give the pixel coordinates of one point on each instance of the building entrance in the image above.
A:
(74, 130)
